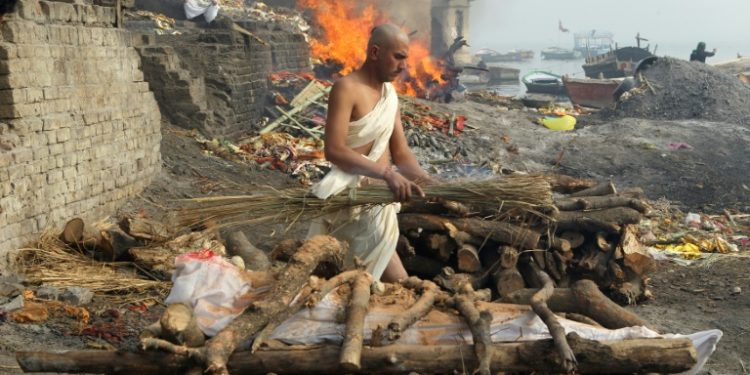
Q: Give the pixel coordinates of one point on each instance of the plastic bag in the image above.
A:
(194, 8)
(213, 287)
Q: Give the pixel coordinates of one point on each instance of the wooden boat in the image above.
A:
(615, 64)
(556, 53)
(543, 83)
(503, 74)
(490, 56)
(589, 92)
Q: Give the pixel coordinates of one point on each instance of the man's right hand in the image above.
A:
(401, 187)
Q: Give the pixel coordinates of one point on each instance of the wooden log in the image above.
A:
(635, 193)
(507, 281)
(284, 250)
(566, 184)
(585, 298)
(73, 231)
(559, 244)
(600, 189)
(497, 231)
(113, 244)
(601, 202)
(529, 269)
(575, 239)
(508, 257)
(145, 229)
(450, 208)
(602, 243)
(610, 357)
(636, 258)
(468, 259)
(609, 220)
(441, 245)
(404, 249)
(178, 326)
(237, 244)
(351, 349)
(479, 324)
(392, 332)
(539, 300)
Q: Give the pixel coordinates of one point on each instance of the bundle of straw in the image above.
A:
(54, 263)
(529, 194)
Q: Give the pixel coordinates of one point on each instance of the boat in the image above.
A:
(593, 43)
(489, 56)
(615, 64)
(557, 53)
(503, 74)
(589, 92)
(543, 83)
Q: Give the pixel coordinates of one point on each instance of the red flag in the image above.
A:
(560, 26)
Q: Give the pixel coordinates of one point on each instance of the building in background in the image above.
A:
(450, 19)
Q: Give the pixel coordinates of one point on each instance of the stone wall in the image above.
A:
(233, 71)
(79, 127)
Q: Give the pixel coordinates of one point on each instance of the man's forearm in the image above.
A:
(354, 163)
(409, 167)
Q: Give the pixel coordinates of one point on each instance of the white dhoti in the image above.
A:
(372, 234)
(195, 8)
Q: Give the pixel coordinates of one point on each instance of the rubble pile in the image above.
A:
(242, 10)
(673, 89)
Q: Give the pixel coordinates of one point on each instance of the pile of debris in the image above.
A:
(673, 89)
(241, 10)
(593, 236)
(692, 236)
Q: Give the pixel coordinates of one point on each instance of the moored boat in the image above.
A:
(589, 92)
(556, 53)
(615, 64)
(543, 83)
(489, 56)
(503, 74)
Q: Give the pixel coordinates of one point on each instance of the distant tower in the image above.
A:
(450, 19)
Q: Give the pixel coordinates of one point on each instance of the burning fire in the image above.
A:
(346, 27)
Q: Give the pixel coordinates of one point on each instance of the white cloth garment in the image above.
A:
(195, 8)
(372, 234)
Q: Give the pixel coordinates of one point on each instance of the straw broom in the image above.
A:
(528, 194)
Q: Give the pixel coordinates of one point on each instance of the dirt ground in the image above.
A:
(709, 176)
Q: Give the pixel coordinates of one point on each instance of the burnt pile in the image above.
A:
(673, 89)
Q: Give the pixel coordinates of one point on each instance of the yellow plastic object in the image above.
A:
(562, 123)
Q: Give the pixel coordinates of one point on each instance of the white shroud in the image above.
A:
(372, 234)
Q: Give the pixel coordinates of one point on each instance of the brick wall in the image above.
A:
(79, 127)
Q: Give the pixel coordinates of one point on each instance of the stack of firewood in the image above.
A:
(590, 236)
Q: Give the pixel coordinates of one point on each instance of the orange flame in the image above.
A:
(345, 29)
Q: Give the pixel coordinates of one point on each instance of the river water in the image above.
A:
(574, 68)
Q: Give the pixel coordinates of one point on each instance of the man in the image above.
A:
(363, 136)
(208, 8)
(700, 54)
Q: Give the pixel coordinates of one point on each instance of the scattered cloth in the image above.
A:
(208, 8)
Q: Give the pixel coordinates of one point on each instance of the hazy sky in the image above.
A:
(724, 24)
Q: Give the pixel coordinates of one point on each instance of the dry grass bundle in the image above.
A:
(53, 263)
(528, 194)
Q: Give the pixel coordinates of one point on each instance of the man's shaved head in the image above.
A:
(387, 52)
(386, 36)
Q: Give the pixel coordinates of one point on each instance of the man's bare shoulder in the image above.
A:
(347, 83)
